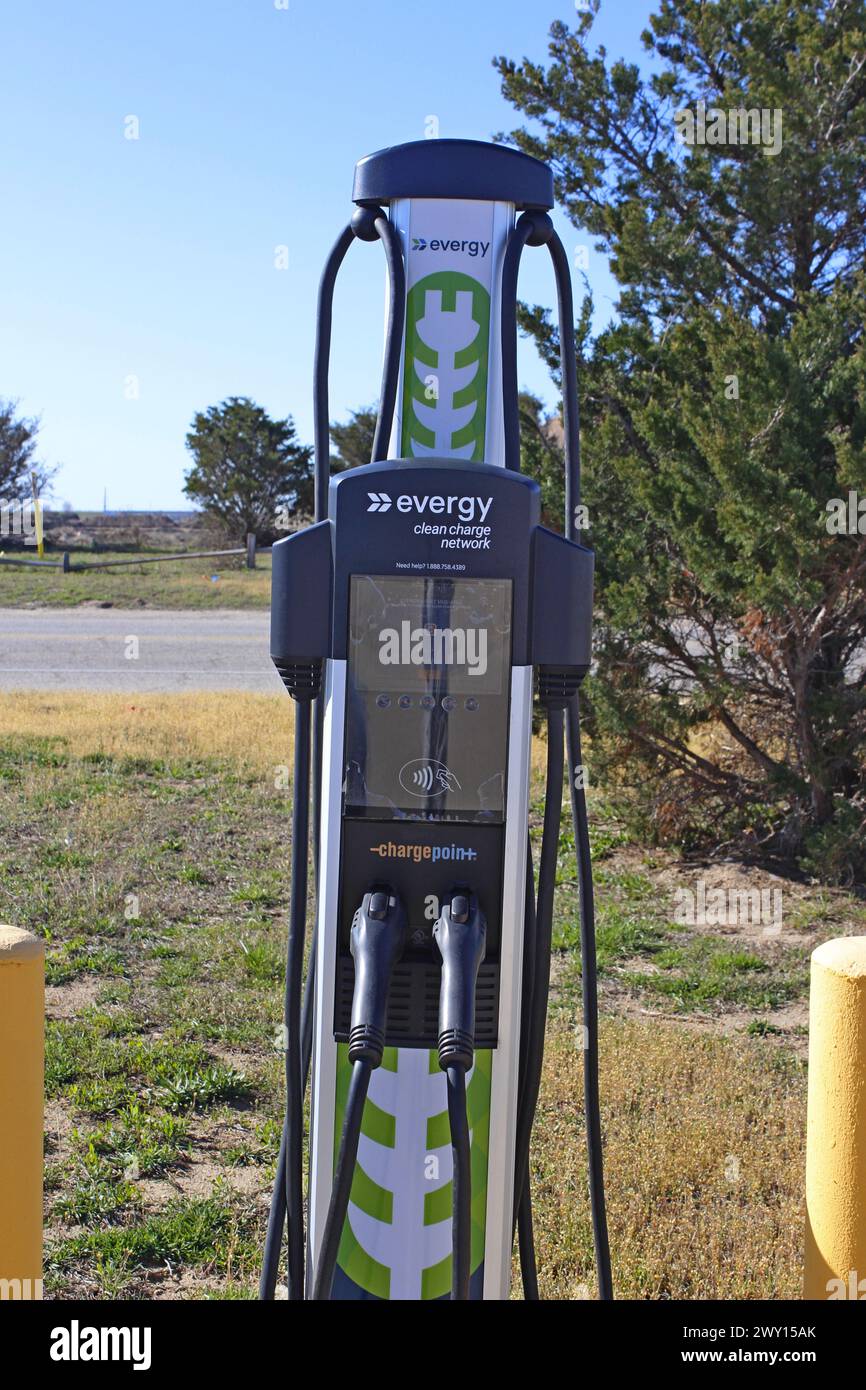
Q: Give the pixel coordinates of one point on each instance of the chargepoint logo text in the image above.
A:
(434, 646)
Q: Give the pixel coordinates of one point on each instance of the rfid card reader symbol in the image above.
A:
(424, 777)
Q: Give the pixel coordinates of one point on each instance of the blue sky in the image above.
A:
(148, 265)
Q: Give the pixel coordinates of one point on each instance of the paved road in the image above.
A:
(140, 650)
(91, 649)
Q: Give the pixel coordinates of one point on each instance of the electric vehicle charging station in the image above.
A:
(413, 623)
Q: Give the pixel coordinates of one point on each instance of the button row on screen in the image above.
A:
(448, 702)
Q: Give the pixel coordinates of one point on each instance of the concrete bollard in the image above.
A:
(835, 1259)
(22, 1023)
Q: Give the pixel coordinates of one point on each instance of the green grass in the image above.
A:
(212, 1232)
(141, 1141)
(85, 1064)
(171, 584)
(77, 957)
(762, 1028)
(707, 970)
(198, 1087)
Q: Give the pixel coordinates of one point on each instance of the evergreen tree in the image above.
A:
(249, 472)
(723, 415)
(354, 439)
(18, 437)
(541, 456)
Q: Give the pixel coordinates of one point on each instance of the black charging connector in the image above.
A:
(377, 939)
(376, 942)
(460, 934)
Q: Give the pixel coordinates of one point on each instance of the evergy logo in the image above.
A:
(466, 508)
(467, 247)
(434, 646)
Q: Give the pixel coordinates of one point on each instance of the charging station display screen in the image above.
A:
(427, 698)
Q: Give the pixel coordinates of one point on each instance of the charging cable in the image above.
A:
(460, 934)
(377, 939)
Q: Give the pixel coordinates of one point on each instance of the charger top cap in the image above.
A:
(471, 169)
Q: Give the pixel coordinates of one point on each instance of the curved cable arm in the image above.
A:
(568, 374)
(321, 363)
(391, 244)
(523, 231)
(367, 224)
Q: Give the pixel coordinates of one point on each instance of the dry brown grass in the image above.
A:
(704, 1159)
(252, 731)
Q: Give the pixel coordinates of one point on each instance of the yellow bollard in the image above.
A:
(22, 1013)
(835, 1265)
